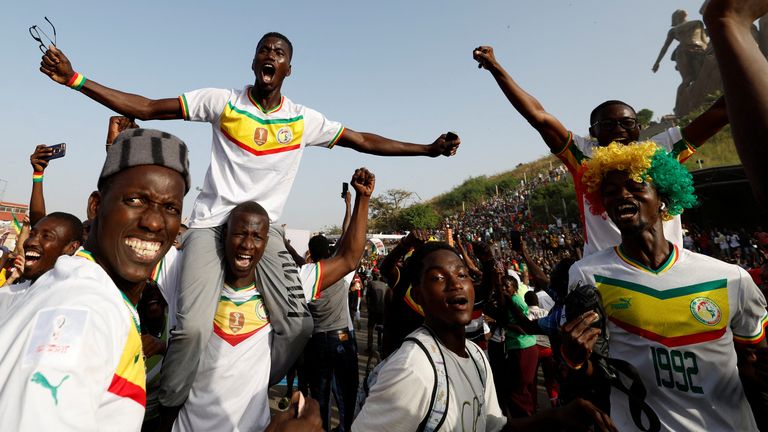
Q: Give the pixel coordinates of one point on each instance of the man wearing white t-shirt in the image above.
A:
(610, 121)
(230, 389)
(258, 138)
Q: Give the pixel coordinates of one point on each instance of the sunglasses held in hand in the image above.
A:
(35, 32)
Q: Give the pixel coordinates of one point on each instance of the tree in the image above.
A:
(644, 117)
(546, 203)
(385, 208)
(418, 216)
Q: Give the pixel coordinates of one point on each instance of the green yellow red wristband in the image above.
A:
(37, 177)
(77, 81)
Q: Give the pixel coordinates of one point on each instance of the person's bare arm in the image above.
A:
(300, 261)
(537, 274)
(670, 38)
(744, 71)
(351, 246)
(380, 146)
(347, 214)
(706, 125)
(39, 162)
(56, 65)
(553, 132)
(388, 265)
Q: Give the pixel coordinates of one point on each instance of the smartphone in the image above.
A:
(344, 189)
(450, 136)
(515, 238)
(58, 151)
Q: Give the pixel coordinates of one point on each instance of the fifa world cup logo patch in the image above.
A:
(236, 321)
(260, 136)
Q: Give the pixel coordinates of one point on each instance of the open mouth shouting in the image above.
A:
(143, 250)
(626, 211)
(459, 302)
(243, 261)
(267, 72)
(32, 257)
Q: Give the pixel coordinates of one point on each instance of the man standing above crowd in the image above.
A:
(672, 314)
(258, 138)
(610, 121)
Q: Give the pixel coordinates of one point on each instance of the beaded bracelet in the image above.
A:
(568, 361)
(77, 81)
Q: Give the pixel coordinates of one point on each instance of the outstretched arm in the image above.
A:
(670, 38)
(39, 162)
(380, 146)
(56, 65)
(553, 132)
(707, 124)
(353, 242)
(744, 71)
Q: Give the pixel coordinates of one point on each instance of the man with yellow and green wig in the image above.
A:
(671, 313)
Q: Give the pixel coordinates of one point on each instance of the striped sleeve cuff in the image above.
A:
(337, 137)
(757, 337)
(184, 107)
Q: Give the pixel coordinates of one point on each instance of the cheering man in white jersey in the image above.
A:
(610, 121)
(671, 313)
(229, 392)
(258, 138)
(72, 357)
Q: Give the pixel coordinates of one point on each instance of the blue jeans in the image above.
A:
(332, 355)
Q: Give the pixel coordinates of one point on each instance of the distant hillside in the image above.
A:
(718, 151)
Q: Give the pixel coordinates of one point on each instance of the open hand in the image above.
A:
(444, 146)
(56, 65)
(363, 181)
(39, 159)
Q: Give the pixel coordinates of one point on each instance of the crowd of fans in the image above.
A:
(636, 322)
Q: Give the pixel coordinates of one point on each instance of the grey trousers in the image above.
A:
(202, 276)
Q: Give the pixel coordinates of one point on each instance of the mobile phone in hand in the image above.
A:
(344, 189)
(515, 238)
(57, 151)
(450, 136)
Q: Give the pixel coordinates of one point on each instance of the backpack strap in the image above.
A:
(438, 404)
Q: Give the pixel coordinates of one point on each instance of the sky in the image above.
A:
(401, 69)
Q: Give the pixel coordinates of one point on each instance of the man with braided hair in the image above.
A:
(672, 314)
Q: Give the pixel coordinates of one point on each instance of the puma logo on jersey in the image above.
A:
(39, 378)
(623, 303)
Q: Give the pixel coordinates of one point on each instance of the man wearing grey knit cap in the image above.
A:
(72, 343)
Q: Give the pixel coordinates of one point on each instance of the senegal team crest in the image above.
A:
(261, 311)
(706, 311)
(284, 135)
(260, 136)
(236, 321)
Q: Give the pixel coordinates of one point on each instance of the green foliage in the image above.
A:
(644, 116)
(421, 216)
(384, 209)
(549, 199)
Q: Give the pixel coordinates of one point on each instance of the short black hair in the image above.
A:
(280, 36)
(319, 248)
(415, 264)
(71, 222)
(531, 299)
(250, 207)
(593, 114)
